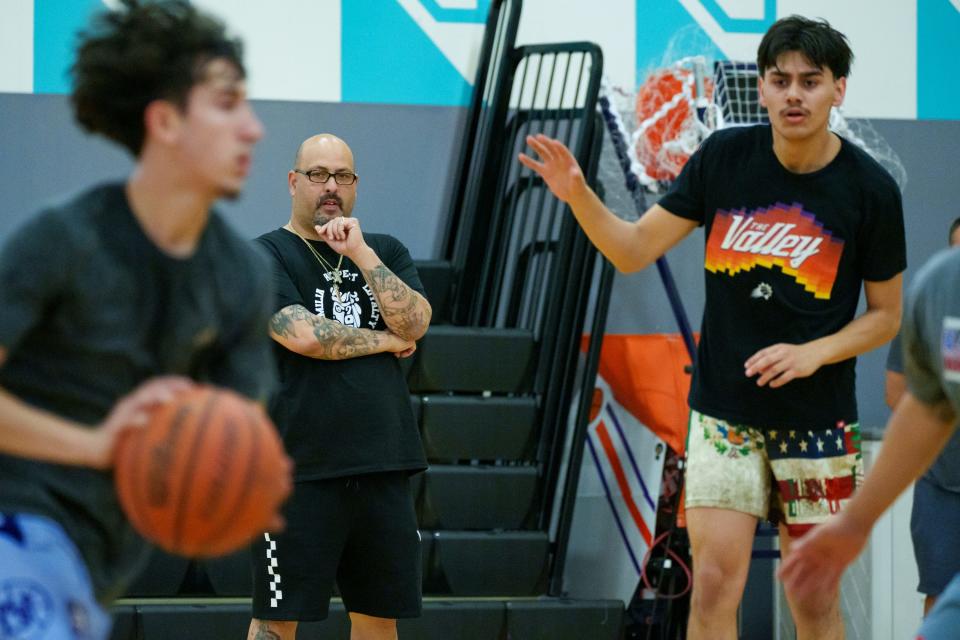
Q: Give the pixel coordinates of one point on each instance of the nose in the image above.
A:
(252, 127)
(793, 91)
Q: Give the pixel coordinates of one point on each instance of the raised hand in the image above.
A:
(557, 166)
(343, 235)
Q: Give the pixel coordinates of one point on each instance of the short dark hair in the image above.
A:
(953, 227)
(146, 50)
(819, 43)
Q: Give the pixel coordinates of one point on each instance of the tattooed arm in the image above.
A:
(317, 337)
(406, 312)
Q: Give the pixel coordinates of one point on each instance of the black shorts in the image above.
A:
(360, 532)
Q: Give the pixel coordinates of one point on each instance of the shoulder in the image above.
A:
(939, 273)
(871, 175)
(273, 242)
(75, 224)
(737, 138)
(384, 239)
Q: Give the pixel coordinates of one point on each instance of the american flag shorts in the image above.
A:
(796, 476)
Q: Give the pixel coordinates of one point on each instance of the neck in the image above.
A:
(302, 230)
(171, 215)
(808, 154)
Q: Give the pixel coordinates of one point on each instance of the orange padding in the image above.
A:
(646, 374)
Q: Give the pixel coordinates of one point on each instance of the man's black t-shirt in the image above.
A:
(341, 417)
(90, 309)
(785, 257)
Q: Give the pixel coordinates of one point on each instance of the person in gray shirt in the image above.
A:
(920, 427)
(935, 515)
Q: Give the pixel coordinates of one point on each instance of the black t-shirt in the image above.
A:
(341, 417)
(785, 257)
(90, 309)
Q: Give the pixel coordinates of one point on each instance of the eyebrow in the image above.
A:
(323, 168)
(802, 74)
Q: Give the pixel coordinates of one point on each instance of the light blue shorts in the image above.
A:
(45, 589)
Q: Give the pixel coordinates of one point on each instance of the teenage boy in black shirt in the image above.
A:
(121, 283)
(349, 305)
(796, 218)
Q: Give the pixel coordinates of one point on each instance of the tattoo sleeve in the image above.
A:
(318, 337)
(406, 312)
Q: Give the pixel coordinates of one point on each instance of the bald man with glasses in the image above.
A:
(349, 305)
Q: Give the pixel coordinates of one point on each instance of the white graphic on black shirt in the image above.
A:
(762, 290)
(346, 309)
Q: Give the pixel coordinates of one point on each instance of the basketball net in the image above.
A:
(679, 105)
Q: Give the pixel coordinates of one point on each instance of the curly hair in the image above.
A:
(146, 50)
(819, 43)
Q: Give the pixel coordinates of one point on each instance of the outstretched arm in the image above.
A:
(916, 434)
(630, 246)
(29, 432)
(405, 312)
(778, 364)
(318, 337)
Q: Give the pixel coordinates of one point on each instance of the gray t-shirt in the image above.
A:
(90, 309)
(945, 470)
(931, 340)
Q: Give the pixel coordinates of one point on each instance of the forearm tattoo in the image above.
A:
(334, 341)
(406, 312)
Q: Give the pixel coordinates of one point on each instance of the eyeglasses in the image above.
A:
(320, 176)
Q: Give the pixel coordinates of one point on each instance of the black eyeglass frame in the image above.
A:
(335, 176)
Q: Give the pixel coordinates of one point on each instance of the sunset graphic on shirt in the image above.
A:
(782, 235)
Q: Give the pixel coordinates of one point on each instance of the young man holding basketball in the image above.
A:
(122, 283)
(349, 305)
(796, 219)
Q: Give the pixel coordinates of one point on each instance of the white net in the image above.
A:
(681, 103)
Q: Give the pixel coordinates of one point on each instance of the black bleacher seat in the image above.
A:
(445, 620)
(475, 497)
(124, 622)
(565, 619)
(437, 279)
(209, 621)
(488, 563)
(477, 427)
(162, 577)
(472, 359)
(231, 575)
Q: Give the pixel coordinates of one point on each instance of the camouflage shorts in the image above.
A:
(794, 476)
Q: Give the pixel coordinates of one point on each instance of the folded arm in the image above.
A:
(315, 336)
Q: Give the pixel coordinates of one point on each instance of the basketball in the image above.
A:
(205, 476)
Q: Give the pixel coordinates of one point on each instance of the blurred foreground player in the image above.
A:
(102, 293)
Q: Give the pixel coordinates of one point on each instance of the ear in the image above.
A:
(161, 120)
(839, 91)
(763, 100)
(292, 182)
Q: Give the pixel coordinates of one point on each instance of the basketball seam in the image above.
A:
(247, 483)
(191, 460)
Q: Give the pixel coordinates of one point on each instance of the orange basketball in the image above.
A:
(205, 476)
